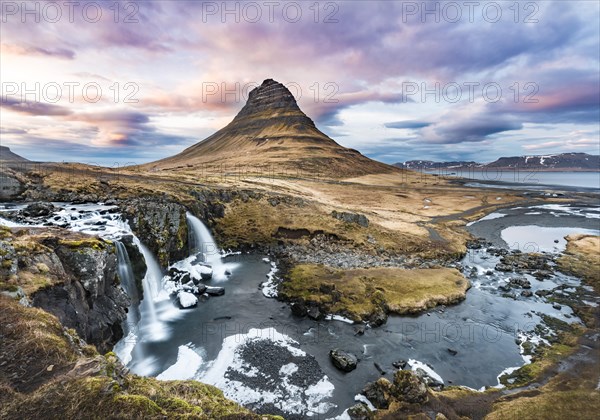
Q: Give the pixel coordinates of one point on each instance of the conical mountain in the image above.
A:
(272, 133)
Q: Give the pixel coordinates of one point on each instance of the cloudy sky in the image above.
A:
(91, 82)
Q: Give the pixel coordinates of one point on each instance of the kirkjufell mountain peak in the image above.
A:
(271, 131)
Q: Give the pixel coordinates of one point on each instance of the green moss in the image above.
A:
(8, 287)
(96, 244)
(138, 404)
(563, 342)
(361, 293)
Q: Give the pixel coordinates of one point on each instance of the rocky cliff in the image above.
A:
(70, 275)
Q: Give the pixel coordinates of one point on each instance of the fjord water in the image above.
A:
(524, 178)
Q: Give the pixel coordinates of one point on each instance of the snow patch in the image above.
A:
(269, 287)
(415, 364)
(188, 363)
(287, 397)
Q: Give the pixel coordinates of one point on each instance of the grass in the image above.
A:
(574, 404)
(359, 293)
(544, 357)
(582, 259)
(48, 372)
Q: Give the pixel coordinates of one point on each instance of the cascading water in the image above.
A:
(202, 242)
(125, 272)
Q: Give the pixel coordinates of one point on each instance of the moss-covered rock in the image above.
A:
(71, 275)
(369, 294)
(47, 371)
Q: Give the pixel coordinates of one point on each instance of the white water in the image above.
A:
(204, 243)
(126, 272)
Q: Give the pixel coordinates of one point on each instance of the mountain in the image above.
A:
(7, 156)
(431, 165)
(272, 132)
(549, 163)
(558, 162)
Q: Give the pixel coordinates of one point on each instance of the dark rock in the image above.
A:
(90, 299)
(359, 412)
(377, 319)
(161, 225)
(557, 306)
(526, 293)
(542, 274)
(428, 380)
(206, 275)
(314, 313)
(298, 309)
(179, 275)
(379, 369)
(342, 360)
(400, 364)
(38, 210)
(519, 282)
(503, 267)
(359, 330)
(215, 291)
(452, 352)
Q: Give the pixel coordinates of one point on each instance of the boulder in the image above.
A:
(342, 360)
(186, 299)
(314, 312)
(428, 380)
(215, 291)
(179, 275)
(38, 210)
(378, 393)
(359, 412)
(409, 387)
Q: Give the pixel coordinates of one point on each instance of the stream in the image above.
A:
(252, 347)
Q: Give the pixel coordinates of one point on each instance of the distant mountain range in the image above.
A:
(550, 163)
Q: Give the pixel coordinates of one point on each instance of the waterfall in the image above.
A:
(204, 243)
(152, 281)
(155, 311)
(125, 272)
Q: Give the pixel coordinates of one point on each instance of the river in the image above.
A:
(262, 356)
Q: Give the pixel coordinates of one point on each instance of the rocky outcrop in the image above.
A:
(407, 387)
(12, 185)
(359, 219)
(70, 275)
(161, 225)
